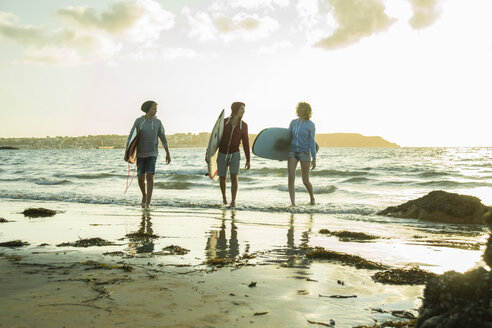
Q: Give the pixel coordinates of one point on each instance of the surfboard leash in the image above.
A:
(128, 176)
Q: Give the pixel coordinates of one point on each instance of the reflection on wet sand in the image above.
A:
(142, 241)
(291, 251)
(217, 244)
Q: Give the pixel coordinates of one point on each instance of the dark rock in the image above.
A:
(442, 206)
(38, 212)
(457, 300)
(2, 220)
(487, 255)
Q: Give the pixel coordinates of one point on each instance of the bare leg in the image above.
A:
(222, 181)
(233, 189)
(291, 168)
(141, 184)
(150, 188)
(305, 166)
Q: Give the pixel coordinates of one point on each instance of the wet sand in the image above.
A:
(135, 283)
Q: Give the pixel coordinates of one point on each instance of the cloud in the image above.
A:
(26, 34)
(63, 46)
(142, 20)
(425, 13)
(218, 26)
(274, 48)
(85, 35)
(173, 53)
(356, 19)
(257, 4)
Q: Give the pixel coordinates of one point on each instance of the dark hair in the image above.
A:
(146, 105)
(236, 105)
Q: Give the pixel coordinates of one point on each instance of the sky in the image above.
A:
(415, 72)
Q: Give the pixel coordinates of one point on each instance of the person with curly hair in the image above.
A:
(302, 149)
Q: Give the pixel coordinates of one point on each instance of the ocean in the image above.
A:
(347, 181)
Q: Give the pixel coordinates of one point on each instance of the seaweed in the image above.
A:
(141, 236)
(352, 260)
(176, 250)
(348, 235)
(87, 242)
(14, 243)
(96, 265)
(38, 212)
(402, 276)
(399, 324)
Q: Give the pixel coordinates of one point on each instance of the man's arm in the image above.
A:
(245, 140)
(162, 136)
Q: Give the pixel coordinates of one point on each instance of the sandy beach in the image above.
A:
(238, 269)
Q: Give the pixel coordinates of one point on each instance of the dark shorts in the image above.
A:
(146, 165)
(303, 156)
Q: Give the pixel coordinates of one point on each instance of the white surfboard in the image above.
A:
(273, 143)
(131, 148)
(213, 146)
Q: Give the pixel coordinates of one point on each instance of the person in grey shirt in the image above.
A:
(150, 130)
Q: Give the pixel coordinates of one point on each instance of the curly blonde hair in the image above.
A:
(304, 110)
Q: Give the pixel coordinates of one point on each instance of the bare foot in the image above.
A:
(293, 205)
(233, 204)
(313, 202)
(144, 199)
(224, 201)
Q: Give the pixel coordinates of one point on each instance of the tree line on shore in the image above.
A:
(178, 140)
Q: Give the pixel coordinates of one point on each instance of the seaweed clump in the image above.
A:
(402, 276)
(348, 235)
(88, 242)
(96, 265)
(176, 250)
(38, 212)
(352, 260)
(14, 243)
(239, 261)
(141, 236)
(390, 323)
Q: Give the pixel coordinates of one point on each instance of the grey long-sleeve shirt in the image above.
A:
(150, 133)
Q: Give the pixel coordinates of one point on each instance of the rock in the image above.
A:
(487, 255)
(442, 206)
(457, 300)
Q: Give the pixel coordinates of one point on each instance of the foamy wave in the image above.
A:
(51, 182)
(300, 188)
(356, 209)
(95, 175)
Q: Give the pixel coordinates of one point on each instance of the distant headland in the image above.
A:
(178, 140)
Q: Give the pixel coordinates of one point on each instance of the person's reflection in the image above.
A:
(305, 234)
(142, 240)
(291, 251)
(217, 244)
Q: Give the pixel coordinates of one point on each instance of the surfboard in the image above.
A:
(213, 147)
(131, 148)
(274, 143)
